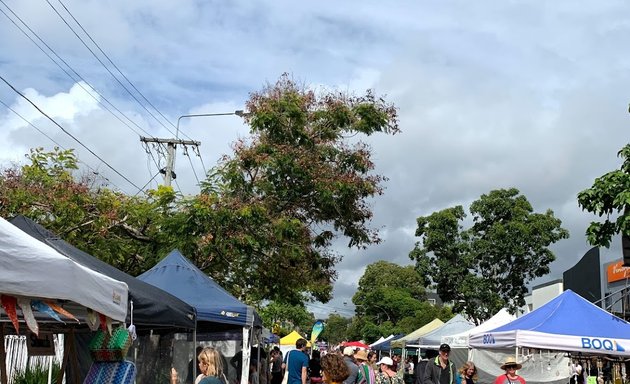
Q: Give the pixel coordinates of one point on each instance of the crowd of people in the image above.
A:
(358, 366)
(345, 366)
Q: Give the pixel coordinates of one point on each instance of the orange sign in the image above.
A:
(617, 271)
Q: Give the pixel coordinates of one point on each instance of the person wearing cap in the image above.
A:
(366, 372)
(510, 377)
(440, 370)
(387, 374)
(348, 358)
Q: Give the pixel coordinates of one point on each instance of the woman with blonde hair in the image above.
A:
(467, 374)
(210, 367)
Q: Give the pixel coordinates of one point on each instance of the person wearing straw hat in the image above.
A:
(510, 377)
(366, 372)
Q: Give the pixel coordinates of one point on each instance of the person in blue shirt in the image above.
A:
(296, 363)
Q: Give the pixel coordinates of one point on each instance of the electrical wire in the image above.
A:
(191, 164)
(68, 133)
(78, 76)
(108, 70)
(94, 171)
(147, 183)
(203, 166)
(114, 65)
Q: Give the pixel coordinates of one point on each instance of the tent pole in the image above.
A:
(3, 358)
(194, 375)
(246, 355)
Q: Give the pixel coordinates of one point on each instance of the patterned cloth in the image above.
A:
(382, 378)
(118, 372)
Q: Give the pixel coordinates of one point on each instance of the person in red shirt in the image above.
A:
(510, 377)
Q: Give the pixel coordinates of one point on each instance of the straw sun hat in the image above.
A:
(511, 361)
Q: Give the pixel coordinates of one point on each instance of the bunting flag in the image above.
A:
(60, 310)
(92, 320)
(10, 303)
(318, 328)
(106, 323)
(42, 307)
(27, 312)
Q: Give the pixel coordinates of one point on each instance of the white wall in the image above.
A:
(541, 295)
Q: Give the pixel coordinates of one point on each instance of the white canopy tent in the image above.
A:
(460, 340)
(382, 340)
(31, 268)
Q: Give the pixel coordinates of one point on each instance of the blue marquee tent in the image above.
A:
(217, 310)
(178, 276)
(566, 323)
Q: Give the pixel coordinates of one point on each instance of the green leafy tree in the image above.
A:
(487, 266)
(112, 226)
(388, 292)
(336, 329)
(609, 196)
(266, 218)
(391, 299)
(284, 318)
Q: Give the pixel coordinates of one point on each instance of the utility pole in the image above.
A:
(171, 144)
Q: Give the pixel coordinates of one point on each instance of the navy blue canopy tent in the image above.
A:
(180, 277)
(220, 316)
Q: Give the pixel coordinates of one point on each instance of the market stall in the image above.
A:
(42, 289)
(151, 309)
(220, 316)
(542, 338)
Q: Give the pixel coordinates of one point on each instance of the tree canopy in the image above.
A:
(264, 221)
(487, 266)
(609, 195)
(266, 217)
(391, 299)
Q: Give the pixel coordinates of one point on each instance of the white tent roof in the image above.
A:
(460, 340)
(382, 340)
(433, 339)
(31, 268)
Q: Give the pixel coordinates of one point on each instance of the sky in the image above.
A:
(531, 94)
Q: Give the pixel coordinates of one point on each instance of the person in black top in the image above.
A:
(315, 368)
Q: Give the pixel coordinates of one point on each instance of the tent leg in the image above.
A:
(194, 372)
(3, 358)
(246, 355)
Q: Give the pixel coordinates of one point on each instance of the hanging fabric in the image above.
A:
(42, 307)
(27, 313)
(55, 307)
(9, 303)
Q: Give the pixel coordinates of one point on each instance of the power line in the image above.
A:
(78, 76)
(68, 133)
(147, 183)
(118, 70)
(107, 68)
(94, 171)
(113, 64)
(191, 164)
